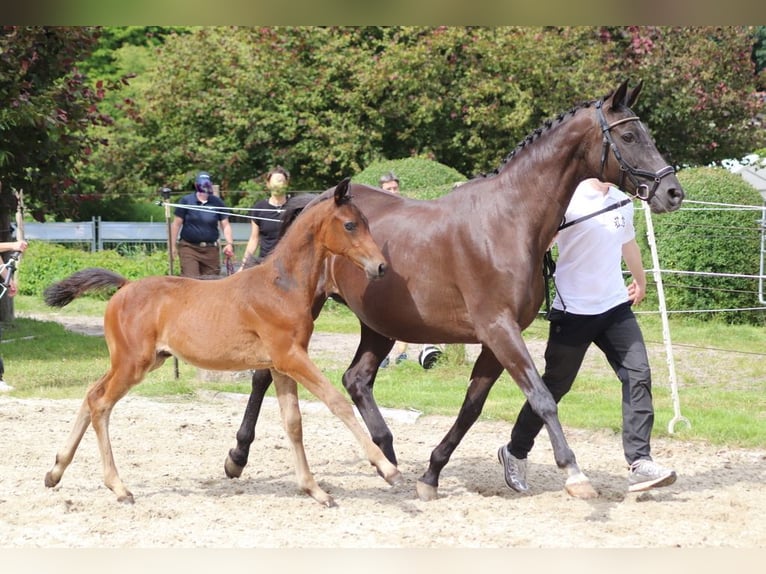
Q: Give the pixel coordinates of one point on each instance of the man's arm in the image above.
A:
(631, 254)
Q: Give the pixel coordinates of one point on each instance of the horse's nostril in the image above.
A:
(677, 194)
(382, 270)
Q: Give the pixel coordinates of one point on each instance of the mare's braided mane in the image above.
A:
(536, 134)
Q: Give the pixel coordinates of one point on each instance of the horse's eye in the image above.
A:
(628, 137)
(349, 225)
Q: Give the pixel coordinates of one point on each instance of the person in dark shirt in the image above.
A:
(265, 224)
(196, 230)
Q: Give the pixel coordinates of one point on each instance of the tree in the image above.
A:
(327, 101)
(46, 107)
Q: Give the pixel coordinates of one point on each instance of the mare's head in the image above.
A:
(342, 229)
(628, 155)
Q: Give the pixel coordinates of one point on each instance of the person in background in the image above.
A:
(593, 305)
(265, 225)
(11, 288)
(429, 354)
(196, 230)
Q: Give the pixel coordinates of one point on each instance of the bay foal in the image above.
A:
(259, 318)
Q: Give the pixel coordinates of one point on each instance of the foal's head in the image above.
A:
(341, 228)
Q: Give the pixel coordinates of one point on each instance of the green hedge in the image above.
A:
(44, 263)
(700, 239)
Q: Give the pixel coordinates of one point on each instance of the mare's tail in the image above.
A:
(67, 290)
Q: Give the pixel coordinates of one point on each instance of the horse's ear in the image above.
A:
(618, 97)
(633, 95)
(341, 191)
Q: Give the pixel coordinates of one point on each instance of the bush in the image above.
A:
(419, 177)
(712, 241)
(44, 263)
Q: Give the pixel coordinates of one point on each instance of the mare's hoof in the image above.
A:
(426, 492)
(232, 469)
(580, 487)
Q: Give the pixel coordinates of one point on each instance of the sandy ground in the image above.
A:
(171, 454)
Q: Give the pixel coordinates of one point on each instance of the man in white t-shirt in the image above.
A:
(593, 305)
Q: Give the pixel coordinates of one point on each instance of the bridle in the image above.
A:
(643, 191)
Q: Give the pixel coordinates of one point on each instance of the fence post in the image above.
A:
(665, 325)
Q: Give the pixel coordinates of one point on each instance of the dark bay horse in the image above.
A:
(260, 318)
(467, 268)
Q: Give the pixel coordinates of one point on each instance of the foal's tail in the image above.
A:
(67, 290)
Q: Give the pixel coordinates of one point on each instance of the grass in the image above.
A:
(720, 369)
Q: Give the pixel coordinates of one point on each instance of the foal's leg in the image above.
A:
(306, 373)
(287, 394)
(359, 379)
(237, 458)
(485, 372)
(96, 409)
(66, 454)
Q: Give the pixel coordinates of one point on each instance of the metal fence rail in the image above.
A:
(98, 235)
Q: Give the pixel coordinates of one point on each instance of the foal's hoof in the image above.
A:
(232, 469)
(126, 499)
(579, 486)
(395, 479)
(426, 492)
(50, 481)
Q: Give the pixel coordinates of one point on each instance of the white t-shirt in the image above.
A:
(588, 275)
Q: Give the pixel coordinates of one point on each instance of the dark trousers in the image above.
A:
(617, 334)
(198, 261)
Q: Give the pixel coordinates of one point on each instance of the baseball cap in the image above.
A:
(203, 183)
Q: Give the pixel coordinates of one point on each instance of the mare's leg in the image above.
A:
(359, 379)
(485, 372)
(237, 458)
(302, 370)
(287, 394)
(512, 352)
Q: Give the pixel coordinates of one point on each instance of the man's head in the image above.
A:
(389, 182)
(203, 183)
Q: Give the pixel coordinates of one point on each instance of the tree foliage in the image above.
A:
(46, 109)
(325, 102)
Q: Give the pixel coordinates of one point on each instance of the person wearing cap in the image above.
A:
(266, 222)
(196, 228)
(429, 354)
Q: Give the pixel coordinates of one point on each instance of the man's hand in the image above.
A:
(636, 293)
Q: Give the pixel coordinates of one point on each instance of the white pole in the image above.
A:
(665, 325)
(761, 297)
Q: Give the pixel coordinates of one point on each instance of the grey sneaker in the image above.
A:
(5, 387)
(645, 474)
(515, 469)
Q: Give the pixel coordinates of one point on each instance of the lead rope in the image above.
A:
(549, 270)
